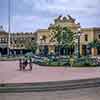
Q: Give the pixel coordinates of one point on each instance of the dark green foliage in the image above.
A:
(64, 37)
(95, 44)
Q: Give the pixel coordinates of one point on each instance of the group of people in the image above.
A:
(23, 63)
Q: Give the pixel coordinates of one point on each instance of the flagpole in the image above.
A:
(9, 25)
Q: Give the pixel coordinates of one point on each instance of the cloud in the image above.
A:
(28, 15)
(51, 8)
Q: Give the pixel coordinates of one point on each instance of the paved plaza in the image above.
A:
(9, 73)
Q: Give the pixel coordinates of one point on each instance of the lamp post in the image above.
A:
(9, 26)
(79, 34)
(40, 44)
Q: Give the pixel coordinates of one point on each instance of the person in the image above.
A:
(71, 61)
(25, 64)
(30, 64)
(20, 64)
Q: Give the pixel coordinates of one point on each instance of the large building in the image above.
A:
(20, 43)
(88, 35)
(45, 45)
(3, 41)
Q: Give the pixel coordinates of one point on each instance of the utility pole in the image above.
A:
(9, 25)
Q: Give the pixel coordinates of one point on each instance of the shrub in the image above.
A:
(85, 61)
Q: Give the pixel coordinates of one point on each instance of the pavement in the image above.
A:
(77, 94)
(9, 73)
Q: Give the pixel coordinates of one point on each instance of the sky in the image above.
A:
(30, 15)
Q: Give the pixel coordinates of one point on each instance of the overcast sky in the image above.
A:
(30, 15)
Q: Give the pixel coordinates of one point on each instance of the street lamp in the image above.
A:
(79, 34)
(40, 44)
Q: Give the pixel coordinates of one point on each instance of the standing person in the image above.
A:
(71, 61)
(20, 64)
(25, 64)
(30, 64)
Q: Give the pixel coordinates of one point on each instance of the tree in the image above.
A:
(56, 35)
(95, 44)
(69, 38)
(64, 37)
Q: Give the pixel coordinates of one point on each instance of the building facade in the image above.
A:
(20, 43)
(3, 41)
(44, 42)
(88, 35)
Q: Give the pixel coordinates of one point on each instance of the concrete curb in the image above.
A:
(49, 86)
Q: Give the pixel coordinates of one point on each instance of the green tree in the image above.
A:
(69, 38)
(56, 35)
(63, 36)
(95, 44)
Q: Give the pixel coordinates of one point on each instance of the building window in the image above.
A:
(15, 41)
(22, 45)
(99, 36)
(44, 38)
(4, 40)
(11, 42)
(17, 45)
(86, 37)
(32, 38)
